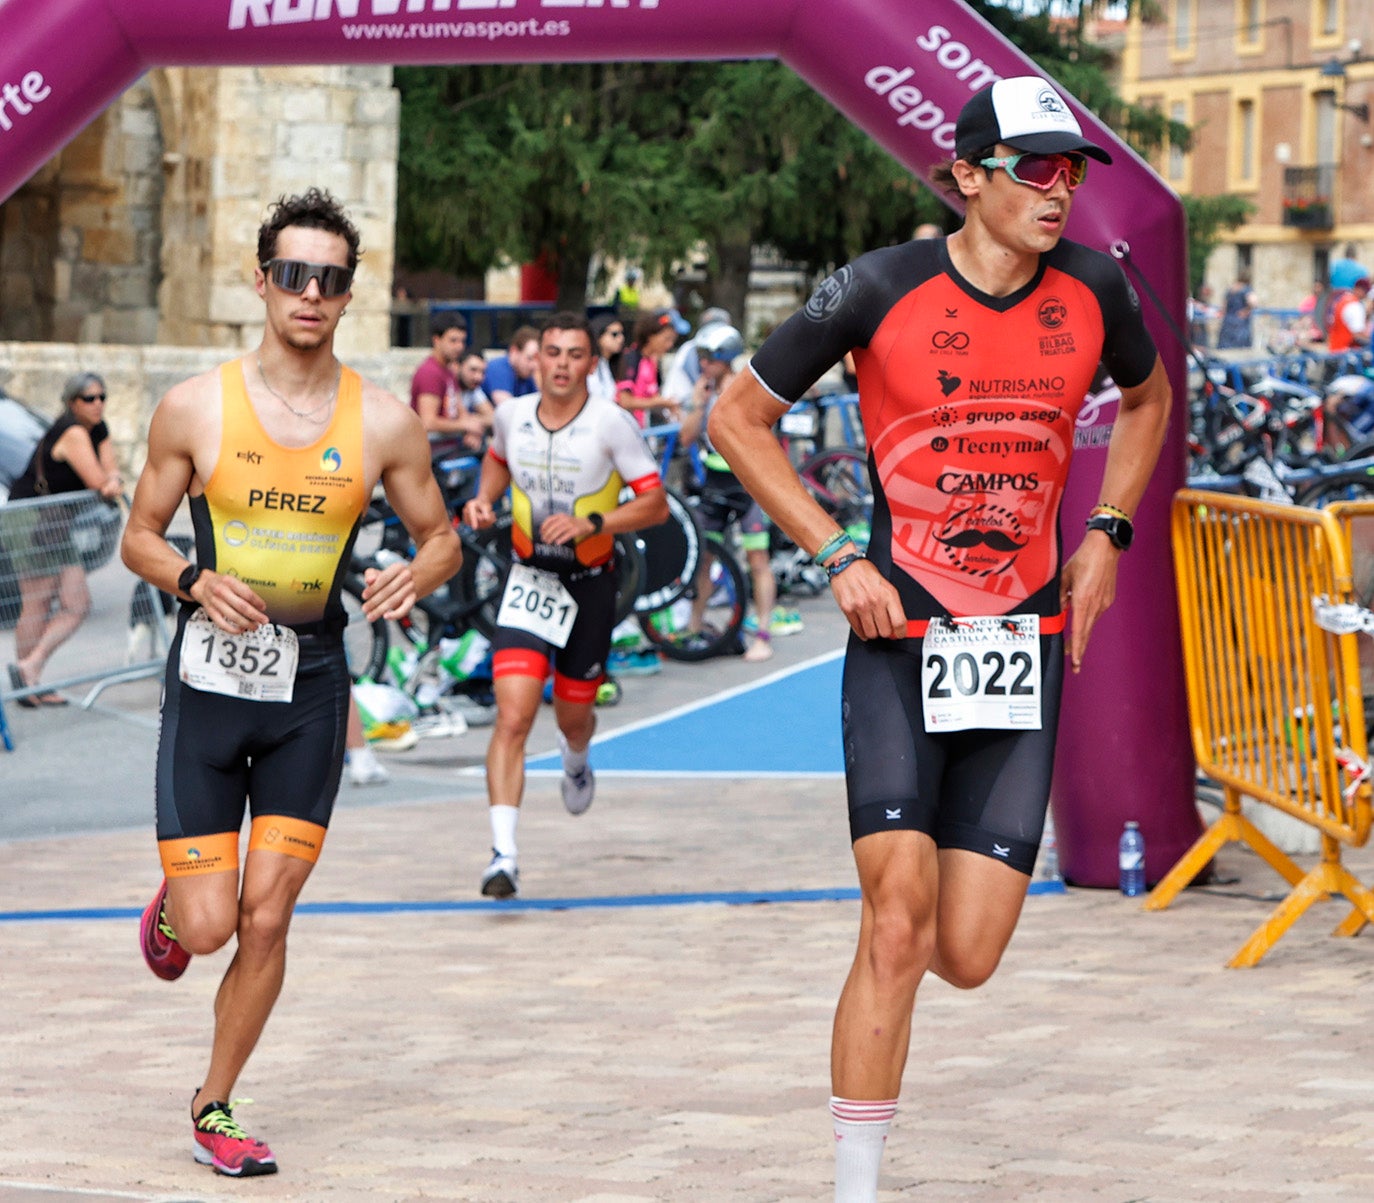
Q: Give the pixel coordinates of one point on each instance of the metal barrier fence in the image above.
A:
(1275, 701)
(63, 586)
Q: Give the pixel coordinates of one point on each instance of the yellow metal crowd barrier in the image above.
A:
(1274, 700)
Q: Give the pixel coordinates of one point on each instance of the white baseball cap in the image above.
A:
(1025, 113)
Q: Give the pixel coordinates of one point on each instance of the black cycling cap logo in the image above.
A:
(830, 294)
(1049, 102)
(1052, 313)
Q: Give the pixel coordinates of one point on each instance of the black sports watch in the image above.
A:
(1118, 530)
(596, 520)
(189, 576)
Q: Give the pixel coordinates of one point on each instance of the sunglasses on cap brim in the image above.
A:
(294, 275)
(1042, 170)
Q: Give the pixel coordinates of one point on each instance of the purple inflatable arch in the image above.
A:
(901, 71)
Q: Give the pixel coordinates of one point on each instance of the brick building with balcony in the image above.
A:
(1278, 94)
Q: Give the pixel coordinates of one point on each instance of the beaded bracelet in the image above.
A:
(830, 546)
(841, 564)
(1103, 507)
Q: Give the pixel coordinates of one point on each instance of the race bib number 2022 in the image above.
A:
(982, 672)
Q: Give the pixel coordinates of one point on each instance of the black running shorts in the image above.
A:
(580, 665)
(219, 755)
(983, 790)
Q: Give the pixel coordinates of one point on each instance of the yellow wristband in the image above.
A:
(1103, 508)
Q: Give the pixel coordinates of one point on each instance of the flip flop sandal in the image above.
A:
(29, 702)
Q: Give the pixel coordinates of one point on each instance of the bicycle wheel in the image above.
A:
(1348, 487)
(629, 575)
(365, 643)
(671, 552)
(722, 616)
(838, 479)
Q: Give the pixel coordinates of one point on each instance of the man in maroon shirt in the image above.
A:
(434, 389)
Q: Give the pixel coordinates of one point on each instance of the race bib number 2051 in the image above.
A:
(258, 664)
(537, 602)
(982, 672)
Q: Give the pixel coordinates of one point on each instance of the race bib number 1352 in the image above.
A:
(258, 664)
(982, 672)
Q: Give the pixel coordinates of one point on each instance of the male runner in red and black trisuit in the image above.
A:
(974, 355)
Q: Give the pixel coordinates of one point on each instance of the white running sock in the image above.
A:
(573, 761)
(861, 1129)
(364, 759)
(503, 821)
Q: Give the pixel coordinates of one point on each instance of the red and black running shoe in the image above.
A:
(164, 955)
(226, 1147)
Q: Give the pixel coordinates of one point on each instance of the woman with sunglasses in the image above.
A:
(974, 355)
(74, 455)
(608, 335)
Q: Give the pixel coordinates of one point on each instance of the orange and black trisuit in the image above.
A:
(969, 403)
(282, 520)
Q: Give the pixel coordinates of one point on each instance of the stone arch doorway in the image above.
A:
(81, 242)
(139, 231)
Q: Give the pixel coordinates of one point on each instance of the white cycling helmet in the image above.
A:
(721, 342)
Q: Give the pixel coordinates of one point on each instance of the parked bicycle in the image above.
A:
(1316, 485)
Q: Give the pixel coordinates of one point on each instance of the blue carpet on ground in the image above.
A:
(786, 724)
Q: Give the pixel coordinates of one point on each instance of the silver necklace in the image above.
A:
(308, 414)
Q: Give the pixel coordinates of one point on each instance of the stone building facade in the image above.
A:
(142, 229)
(1279, 97)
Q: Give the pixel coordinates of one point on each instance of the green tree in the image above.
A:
(524, 162)
(653, 161)
(774, 164)
(572, 162)
(1207, 217)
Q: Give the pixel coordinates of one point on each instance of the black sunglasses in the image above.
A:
(294, 275)
(92, 397)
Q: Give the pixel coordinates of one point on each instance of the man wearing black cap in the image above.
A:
(974, 355)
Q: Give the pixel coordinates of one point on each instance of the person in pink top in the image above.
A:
(639, 384)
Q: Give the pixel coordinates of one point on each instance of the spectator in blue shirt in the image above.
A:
(514, 374)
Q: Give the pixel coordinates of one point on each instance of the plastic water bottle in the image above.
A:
(1131, 859)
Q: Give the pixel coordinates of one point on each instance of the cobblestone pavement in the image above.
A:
(453, 1049)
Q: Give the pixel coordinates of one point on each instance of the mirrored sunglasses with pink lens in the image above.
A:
(1041, 170)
